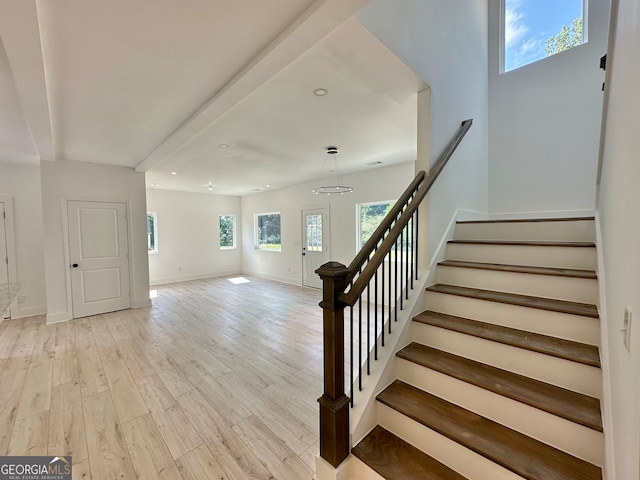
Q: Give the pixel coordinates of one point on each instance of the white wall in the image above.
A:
(65, 180)
(618, 204)
(544, 123)
(22, 184)
(386, 183)
(189, 234)
(445, 43)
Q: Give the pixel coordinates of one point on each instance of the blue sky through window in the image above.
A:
(528, 24)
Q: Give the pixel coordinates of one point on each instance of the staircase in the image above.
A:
(502, 377)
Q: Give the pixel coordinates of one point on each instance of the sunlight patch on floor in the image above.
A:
(238, 280)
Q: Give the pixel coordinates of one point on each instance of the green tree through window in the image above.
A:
(152, 232)
(569, 36)
(268, 232)
(370, 217)
(227, 231)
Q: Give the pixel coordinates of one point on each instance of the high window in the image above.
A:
(152, 232)
(267, 227)
(227, 232)
(535, 29)
(369, 217)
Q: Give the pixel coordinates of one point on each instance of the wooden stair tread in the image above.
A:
(522, 455)
(563, 306)
(528, 220)
(558, 401)
(557, 347)
(562, 272)
(530, 243)
(394, 459)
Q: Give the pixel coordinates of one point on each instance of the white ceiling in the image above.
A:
(158, 85)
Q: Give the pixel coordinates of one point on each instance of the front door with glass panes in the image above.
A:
(315, 244)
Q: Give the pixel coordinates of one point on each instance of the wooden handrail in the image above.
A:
(366, 250)
(411, 202)
(337, 279)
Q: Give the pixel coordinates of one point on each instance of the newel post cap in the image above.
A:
(332, 270)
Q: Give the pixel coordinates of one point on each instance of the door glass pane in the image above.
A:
(314, 232)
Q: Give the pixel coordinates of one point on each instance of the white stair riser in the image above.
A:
(357, 470)
(546, 368)
(452, 454)
(583, 290)
(575, 439)
(569, 231)
(546, 322)
(583, 258)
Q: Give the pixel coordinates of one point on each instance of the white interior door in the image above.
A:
(99, 257)
(315, 244)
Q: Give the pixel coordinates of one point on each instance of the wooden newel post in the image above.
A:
(334, 404)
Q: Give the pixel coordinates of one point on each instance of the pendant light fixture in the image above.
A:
(338, 186)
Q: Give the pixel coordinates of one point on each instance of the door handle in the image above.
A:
(75, 265)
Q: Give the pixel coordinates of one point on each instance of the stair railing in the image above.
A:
(374, 286)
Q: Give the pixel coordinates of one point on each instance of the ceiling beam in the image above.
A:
(20, 31)
(308, 29)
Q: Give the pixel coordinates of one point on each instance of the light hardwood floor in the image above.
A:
(214, 381)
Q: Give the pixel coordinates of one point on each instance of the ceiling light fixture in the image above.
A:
(174, 173)
(338, 186)
(320, 92)
(210, 187)
(223, 145)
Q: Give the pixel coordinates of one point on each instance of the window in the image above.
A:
(152, 232)
(369, 217)
(535, 29)
(314, 232)
(268, 232)
(227, 232)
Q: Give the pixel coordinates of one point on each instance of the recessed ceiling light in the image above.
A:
(153, 185)
(174, 173)
(268, 186)
(320, 92)
(223, 145)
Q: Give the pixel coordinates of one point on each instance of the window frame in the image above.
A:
(155, 249)
(503, 43)
(359, 206)
(256, 229)
(234, 225)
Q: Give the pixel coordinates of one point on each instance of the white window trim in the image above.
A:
(502, 47)
(358, 213)
(255, 232)
(235, 244)
(155, 234)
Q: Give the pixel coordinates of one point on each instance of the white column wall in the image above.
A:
(22, 184)
(66, 180)
(445, 43)
(618, 204)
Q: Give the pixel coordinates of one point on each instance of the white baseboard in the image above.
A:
(607, 412)
(540, 214)
(28, 311)
(275, 278)
(186, 278)
(59, 317)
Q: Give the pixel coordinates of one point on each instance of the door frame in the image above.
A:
(303, 226)
(67, 251)
(11, 246)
